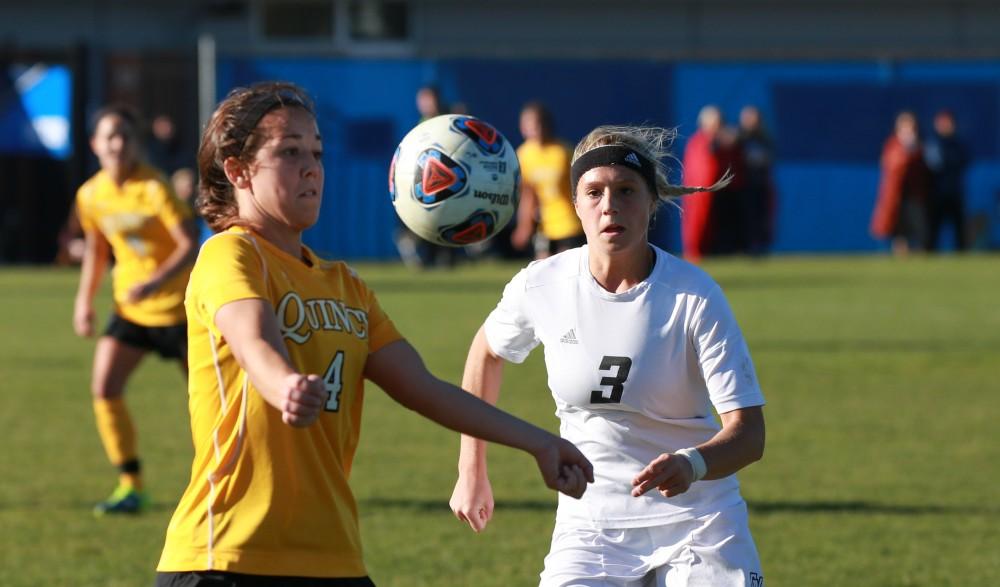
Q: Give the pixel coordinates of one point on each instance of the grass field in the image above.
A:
(882, 465)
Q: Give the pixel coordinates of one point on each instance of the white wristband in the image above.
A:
(697, 462)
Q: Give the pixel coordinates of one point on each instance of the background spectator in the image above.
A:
(900, 209)
(947, 160)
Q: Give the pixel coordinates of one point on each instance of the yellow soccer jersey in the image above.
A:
(546, 169)
(266, 498)
(136, 219)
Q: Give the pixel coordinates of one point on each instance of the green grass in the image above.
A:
(881, 466)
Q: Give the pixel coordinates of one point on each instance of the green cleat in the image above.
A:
(123, 500)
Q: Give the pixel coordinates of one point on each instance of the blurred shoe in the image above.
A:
(123, 500)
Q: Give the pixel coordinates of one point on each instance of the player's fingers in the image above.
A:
(307, 397)
(649, 483)
(645, 475)
(571, 481)
(674, 487)
(477, 521)
(581, 481)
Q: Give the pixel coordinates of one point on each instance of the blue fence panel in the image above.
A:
(829, 121)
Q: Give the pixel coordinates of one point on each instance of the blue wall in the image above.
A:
(828, 120)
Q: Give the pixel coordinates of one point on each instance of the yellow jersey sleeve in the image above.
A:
(382, 331)
(172, 210)
(84, 200)
(229, 268)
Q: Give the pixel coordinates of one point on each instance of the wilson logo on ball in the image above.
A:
(440, 177)
(473, 229)
(483, 134)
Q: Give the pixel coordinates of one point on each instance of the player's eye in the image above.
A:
(290, 151)
(318, 155)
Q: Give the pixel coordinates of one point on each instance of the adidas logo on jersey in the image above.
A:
(633, 159)
(569, 337)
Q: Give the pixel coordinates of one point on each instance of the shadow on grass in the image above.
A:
(863, 508)
(436, 505)
(758, 507)
(74, 505)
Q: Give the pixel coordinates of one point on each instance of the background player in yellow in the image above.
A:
(281, 342)
(129, 209)
(546, 198)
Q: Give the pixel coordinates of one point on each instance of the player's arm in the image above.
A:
(472, 498)
(527, 212)
(252, 332)
(399, 370)
(183, 255)
(96, 252)
(739, 443)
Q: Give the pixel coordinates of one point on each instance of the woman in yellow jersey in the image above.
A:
(546, 198)
(280, 344)
(129, 209)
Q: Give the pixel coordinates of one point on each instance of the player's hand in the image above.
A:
(303, 398)
(564, 467)
(83, 320)
(669, 473)
(140, 291)
(472, 500)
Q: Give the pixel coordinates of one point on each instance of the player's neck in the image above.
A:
(283, 237)
(119, 175)
(621, 270)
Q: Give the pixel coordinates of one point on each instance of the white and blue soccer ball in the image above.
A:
(454, 180)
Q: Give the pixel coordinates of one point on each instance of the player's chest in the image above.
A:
(634, 355)
(125, 214)
(311, 309)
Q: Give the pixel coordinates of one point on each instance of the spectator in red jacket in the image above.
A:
(900, 209)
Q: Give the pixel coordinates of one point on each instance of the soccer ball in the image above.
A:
(454, 180)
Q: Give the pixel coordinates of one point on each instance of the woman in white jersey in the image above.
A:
(640, 347)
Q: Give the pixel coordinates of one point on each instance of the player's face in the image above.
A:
(287, 172)
(614, 205)
(114, 144)
(531, 125)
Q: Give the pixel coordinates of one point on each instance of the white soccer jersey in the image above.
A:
(633, 374)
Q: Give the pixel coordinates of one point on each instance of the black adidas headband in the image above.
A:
(279, 99)
(614, 155)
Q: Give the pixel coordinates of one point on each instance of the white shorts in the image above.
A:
(715, 550)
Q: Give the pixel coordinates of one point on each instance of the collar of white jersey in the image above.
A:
(629, 294)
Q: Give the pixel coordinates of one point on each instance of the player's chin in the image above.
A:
(305, 219)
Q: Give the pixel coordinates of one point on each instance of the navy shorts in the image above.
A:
(170, 342)
(223, 579)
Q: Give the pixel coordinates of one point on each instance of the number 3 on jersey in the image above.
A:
(332, 381)
(614, 395)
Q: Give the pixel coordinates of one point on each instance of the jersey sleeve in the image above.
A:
(83, 198)
(172, 210)
(723, 356)
(229, 268)
(510, 331)
(381, 329)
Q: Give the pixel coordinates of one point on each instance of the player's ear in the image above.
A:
(236, 172)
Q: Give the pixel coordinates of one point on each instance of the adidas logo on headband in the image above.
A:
(609, 155)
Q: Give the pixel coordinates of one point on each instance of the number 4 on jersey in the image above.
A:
(603, 396)
(332, 381)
